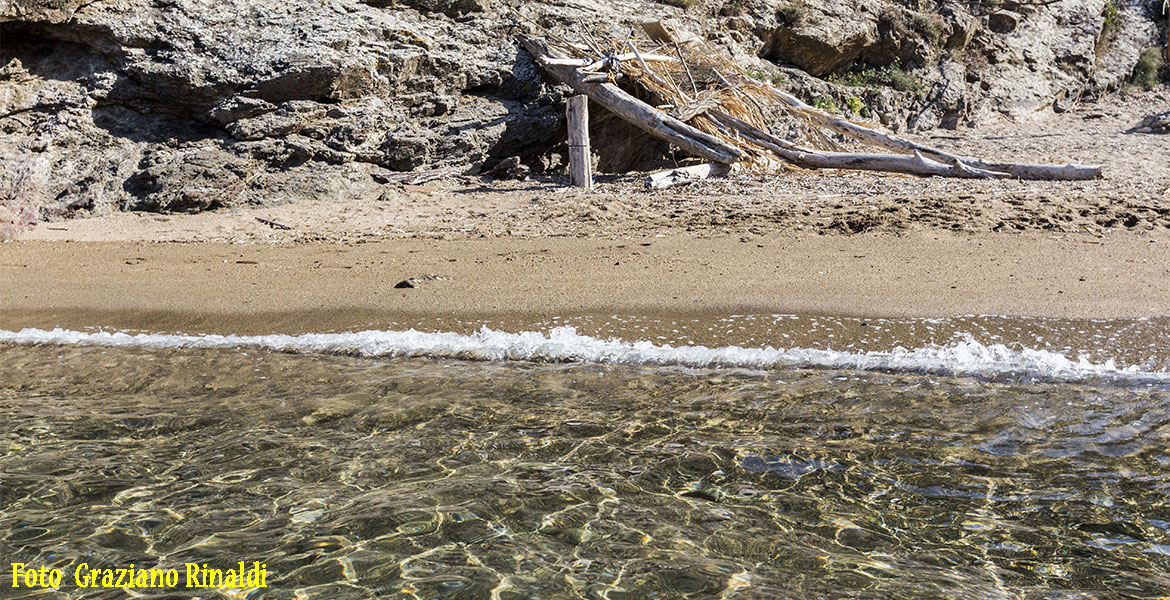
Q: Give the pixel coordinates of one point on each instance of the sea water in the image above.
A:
(555, 464)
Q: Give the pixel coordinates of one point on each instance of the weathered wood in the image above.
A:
(915, 164)
(657, 31)
(683, 175)
(911, 157)
(687, 112)
(884, 140)
(590, 64)
(645, 67)
(580, 160)
(638, 113)
(686, 68)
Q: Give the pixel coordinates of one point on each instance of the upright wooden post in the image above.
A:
(580, 161)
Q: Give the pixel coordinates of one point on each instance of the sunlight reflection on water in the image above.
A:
(417, 478)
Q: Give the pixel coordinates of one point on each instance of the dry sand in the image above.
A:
(854, 244)
(327, 286)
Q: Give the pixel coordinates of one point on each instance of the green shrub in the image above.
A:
(855, 105)
(825, 104)
(1150, 70)
(891, 75)
(1111, 19)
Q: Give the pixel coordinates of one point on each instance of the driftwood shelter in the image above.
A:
(703, 104)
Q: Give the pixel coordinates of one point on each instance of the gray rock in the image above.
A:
(1003, 21)
(837, 35)
(415, 282)
(510, 168)
(1159, 123)
(180, 105)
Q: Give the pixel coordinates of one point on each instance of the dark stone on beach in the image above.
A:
(1159, 123)
(414, 282)
(511, 168)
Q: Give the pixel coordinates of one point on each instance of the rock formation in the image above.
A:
(186, 105)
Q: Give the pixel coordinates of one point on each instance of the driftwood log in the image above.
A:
(914, 164)
(587, 76)
(638, 113)
(684, 175)
(884, 140)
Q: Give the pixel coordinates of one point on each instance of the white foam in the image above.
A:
(966, 357)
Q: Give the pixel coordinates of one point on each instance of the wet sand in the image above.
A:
(226, 288)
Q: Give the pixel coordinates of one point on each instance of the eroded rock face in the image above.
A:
(820, 41)
(156, 102)
(186, 105)
(1036, 57)
(48, 11)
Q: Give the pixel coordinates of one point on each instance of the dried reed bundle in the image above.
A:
(700, 100)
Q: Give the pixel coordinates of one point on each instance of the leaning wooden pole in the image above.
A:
(638, 113)
(580, 159)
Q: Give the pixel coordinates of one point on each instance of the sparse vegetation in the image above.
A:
(1150, 70)
(855, 104)
(777, 79)
(793, 13)
(1111, 19)
(825, 104)
(891, 75)
(931, 26)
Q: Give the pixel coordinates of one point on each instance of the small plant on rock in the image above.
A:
(930, 26)
(825, 104)
(777, 79)
(891, 75)
(855, 105)
(1111, 18)
(793, 13)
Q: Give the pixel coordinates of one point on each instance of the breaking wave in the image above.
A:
(965, 357)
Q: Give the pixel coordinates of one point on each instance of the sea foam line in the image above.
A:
(966, 357)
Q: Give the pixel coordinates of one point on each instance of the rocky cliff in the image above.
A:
(185, 105)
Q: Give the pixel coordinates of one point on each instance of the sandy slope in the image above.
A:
(1134, 196)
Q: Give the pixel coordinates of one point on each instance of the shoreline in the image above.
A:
(318, 287)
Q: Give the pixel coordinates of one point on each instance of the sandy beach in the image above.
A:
(225, 288)
(843, 244)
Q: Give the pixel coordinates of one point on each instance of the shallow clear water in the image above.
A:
(441, 478)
